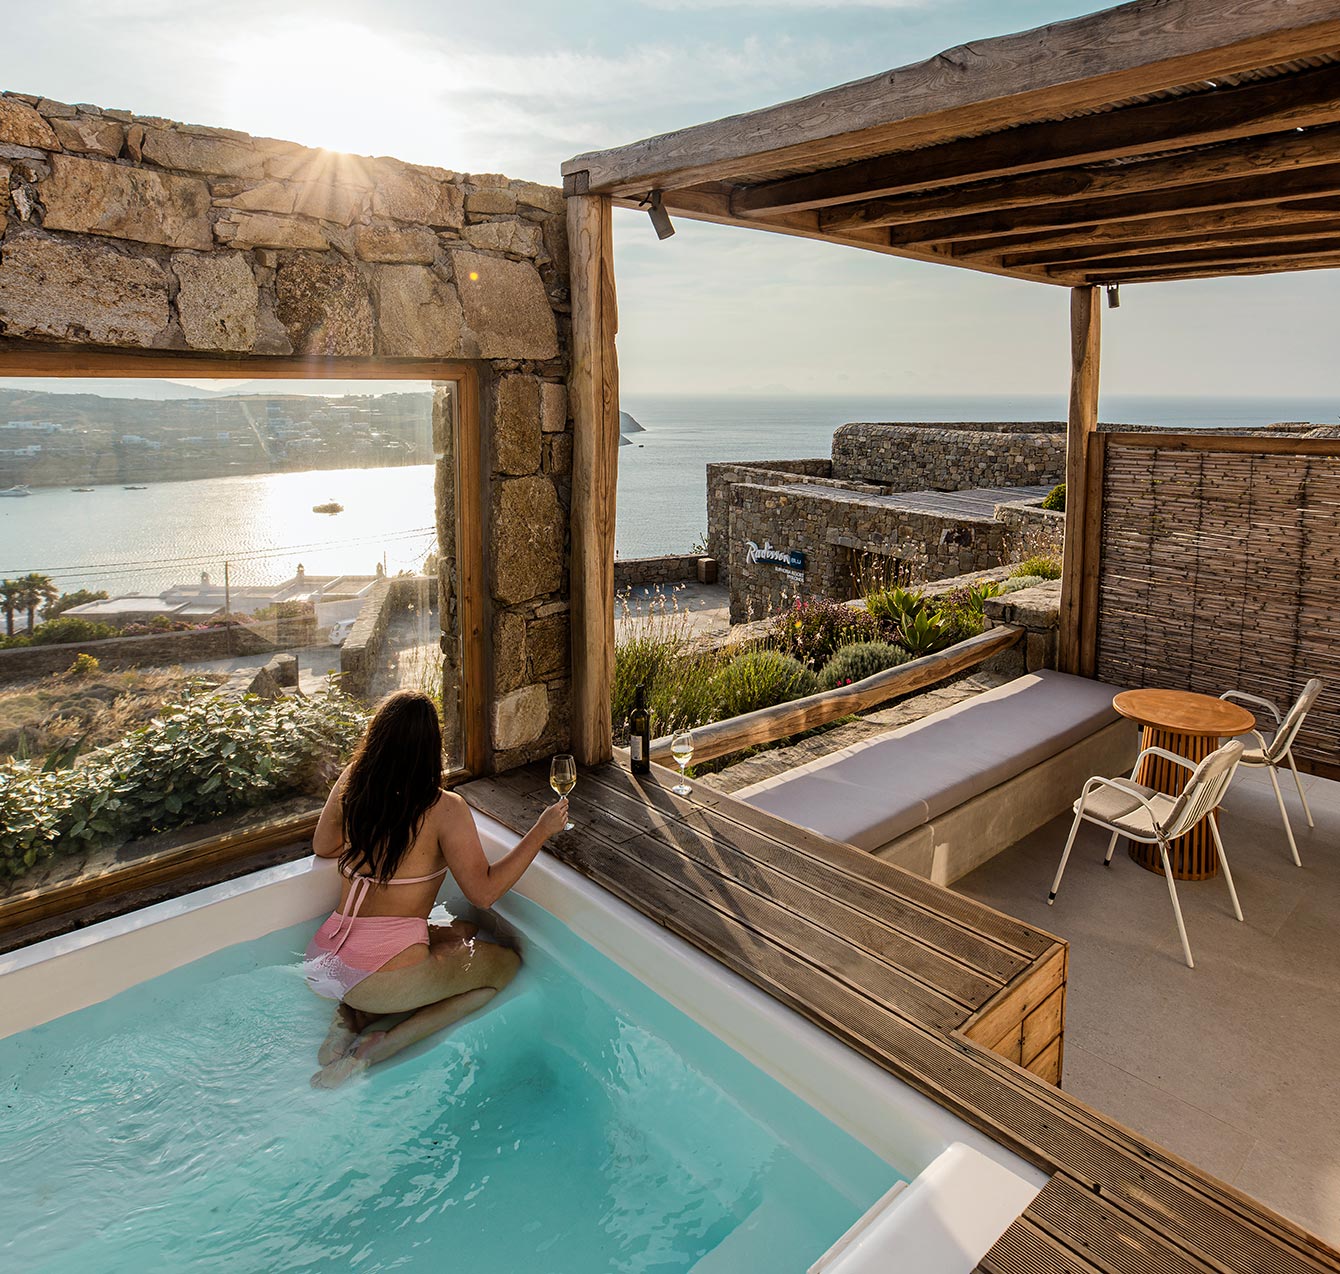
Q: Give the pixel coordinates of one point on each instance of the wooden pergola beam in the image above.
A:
(1258, 158)
(1066, 215)
(1085, 333)
(1203, 225)
(1082, 64)
(593, 400)
(1225, 241)
(1169, 274)
(1218, 115)
(1249, 253)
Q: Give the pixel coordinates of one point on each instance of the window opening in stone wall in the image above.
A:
(205, 586)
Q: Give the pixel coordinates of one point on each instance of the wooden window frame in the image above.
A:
(221, 856)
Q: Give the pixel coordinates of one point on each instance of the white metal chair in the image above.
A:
(1127, 808)
(1279, 749)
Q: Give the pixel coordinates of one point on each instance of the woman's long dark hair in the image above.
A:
(394, 779)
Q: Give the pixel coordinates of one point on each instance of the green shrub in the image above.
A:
(67, 629)
(1017, 582)
(964, 609)
(1055, 498)
(814, 628)
(84, 665)
(859, 661)
(1044, 567)
(760, 679)
(891, 607)
(926, 632)
(202, 757)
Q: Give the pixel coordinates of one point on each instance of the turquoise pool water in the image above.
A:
(582, 1124)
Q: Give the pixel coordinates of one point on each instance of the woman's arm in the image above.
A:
(328, 839)
(482, 882)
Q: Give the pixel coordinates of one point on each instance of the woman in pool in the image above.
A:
(397, 834)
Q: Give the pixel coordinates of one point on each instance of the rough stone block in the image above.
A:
(516, 425)
(269, 230)
(532, 195)
(323, 304)
(553, 407)
(491, 201)
(520, 717)
(83, 292)
(218, 301)
(506, 308)
(197, 153)
(520, 238)
(403, 194)
(52, 109)
(329, 201)
(91, 135)
(509, 651)
(548, 647)
(21, 125)
(418, 315)
(528, 533)
(558, 455)
(407, 245)
(268, 196)
(92, 197)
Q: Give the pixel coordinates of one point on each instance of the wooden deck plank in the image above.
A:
(1116, 1200)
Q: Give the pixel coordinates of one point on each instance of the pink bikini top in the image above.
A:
(360, 887)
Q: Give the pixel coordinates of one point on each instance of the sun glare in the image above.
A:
(342, 86)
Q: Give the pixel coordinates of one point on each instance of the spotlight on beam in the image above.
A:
(1113, 296)
(660, 219)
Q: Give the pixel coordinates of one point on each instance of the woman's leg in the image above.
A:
(455, 980)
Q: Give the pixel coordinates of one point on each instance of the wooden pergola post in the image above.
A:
(593, 391)
(1085, 328)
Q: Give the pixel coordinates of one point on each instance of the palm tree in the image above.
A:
(10, 591)
(38, 590)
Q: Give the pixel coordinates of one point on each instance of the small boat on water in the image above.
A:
(136, 488)
(16, 491)
(330, 506)
(81, 488)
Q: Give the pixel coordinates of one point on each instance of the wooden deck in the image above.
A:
(945, 994)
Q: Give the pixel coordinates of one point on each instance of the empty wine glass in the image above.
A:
(681, 748)
(563, 778)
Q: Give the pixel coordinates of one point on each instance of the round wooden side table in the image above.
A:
(1190, 725)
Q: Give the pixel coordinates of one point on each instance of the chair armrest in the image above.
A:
(1256, 699)
(1167, 756)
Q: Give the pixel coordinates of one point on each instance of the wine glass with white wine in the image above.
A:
(563, 778)
(681, 748)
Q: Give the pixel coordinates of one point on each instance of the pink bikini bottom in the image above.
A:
(347, 949)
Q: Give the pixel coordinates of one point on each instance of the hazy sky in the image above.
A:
(517, 86)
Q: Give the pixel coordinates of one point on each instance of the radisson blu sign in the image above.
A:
(790, 559)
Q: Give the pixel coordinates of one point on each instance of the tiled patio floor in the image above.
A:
(1235, 1064)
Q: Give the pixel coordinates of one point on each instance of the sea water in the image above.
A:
(579, 1124)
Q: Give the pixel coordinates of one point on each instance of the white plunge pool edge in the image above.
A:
(964, 1191)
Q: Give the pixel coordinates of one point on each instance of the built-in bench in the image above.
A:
(942, 795)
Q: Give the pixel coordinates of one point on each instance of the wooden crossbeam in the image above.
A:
(1245, 110)
(1066, 215)
(1204, 225)
(1248, 252)
(1284, 153)
(1097, 254)
(1144, 273)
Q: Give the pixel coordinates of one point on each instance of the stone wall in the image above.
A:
(158, 650)
(842, 534)
(1031, 531)
(635, 572)
(951, 457)
(124, 232)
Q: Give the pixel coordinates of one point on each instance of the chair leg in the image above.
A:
(1284, 814)
(1111, 849)
(1223, 862)
(1177, 908)
(1298, 783)
(1065, 854)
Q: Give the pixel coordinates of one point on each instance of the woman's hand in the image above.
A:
(550, 823)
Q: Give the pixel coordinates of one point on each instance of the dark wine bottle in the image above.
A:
(639, 734)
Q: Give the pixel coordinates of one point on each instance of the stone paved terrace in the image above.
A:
(976, 502)
(1233, 1064)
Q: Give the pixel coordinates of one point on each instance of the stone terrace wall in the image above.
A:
(951, 457)
(834, 529)
(632, 572)
(155, 650)
(126, 232)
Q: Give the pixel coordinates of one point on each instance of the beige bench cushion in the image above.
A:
(875, 791)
